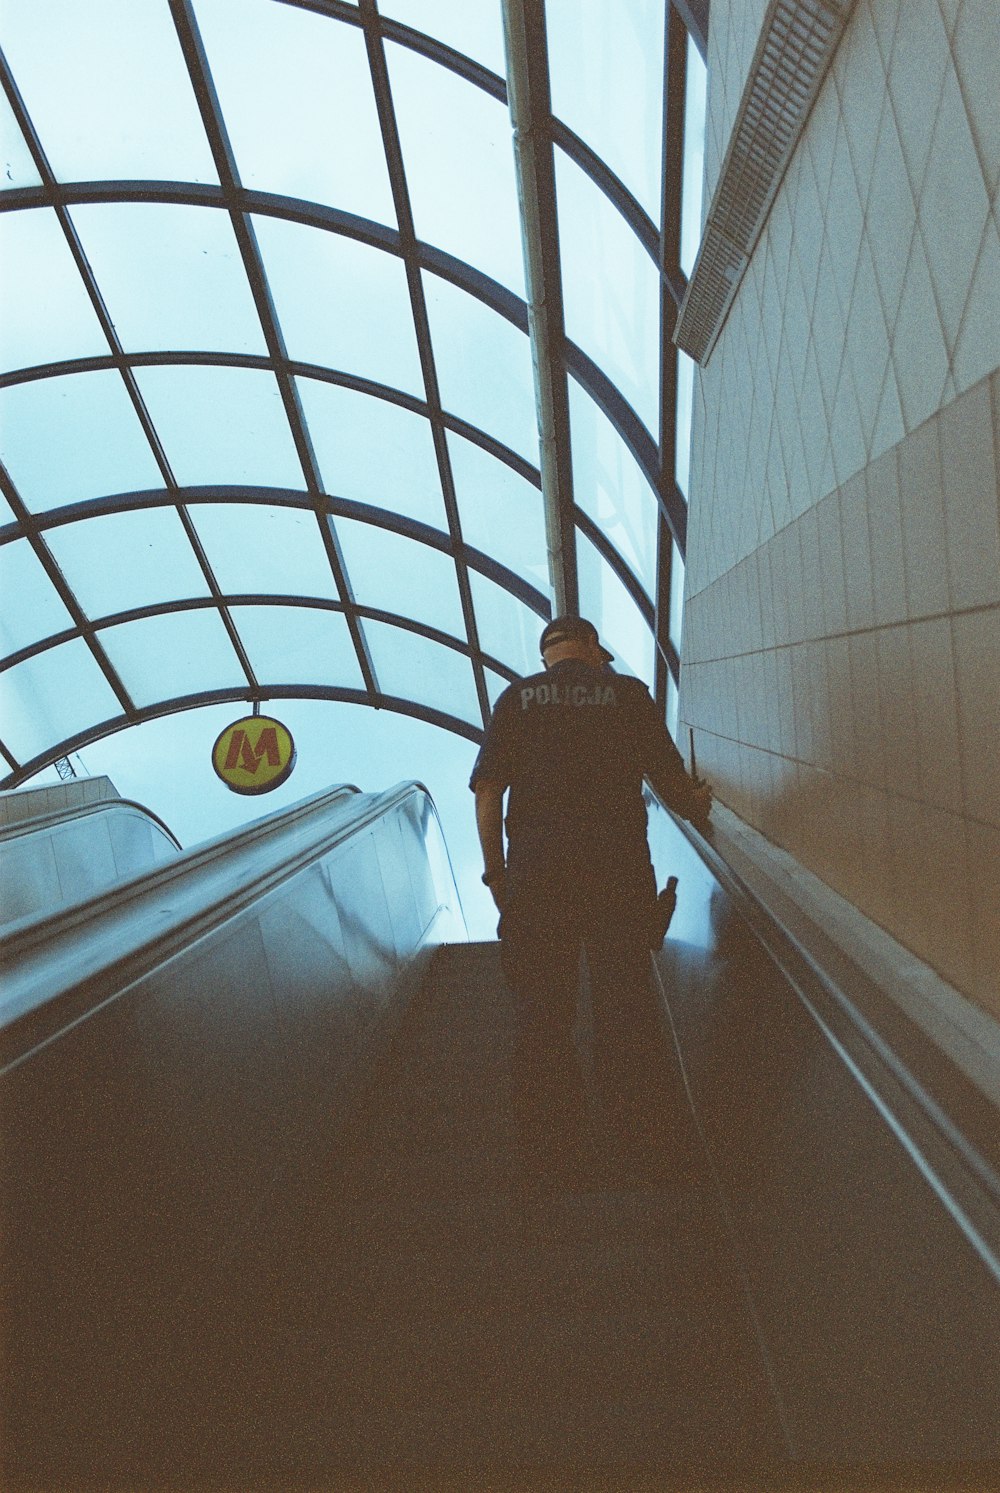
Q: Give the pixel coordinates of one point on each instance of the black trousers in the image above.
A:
(551, 916)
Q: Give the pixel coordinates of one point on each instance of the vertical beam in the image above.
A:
(375, 44)
(674, 87)
(203, 84)
(531, 109)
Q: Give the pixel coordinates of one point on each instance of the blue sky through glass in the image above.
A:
(108, 89)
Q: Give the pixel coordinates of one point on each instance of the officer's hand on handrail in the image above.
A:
(701, 803)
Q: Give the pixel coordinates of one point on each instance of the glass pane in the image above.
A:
(459, 159)
(51, 697)
(256, 549)
(6, 512)
(298, 645)
(76, 437)
(373, 451)
(297, 95)
(685, 405)
(32, 608)
(608, 484)
(474, 27)
(483, 366)
(611, 290)
(606, 72)
(401, 575)
(508, 630)
(416, 668)
(342, 304)
(107, 88)
(495, 686)
(676, 596)
(18, 169)
(171, 276)
(162, 658)
(125, 560)
(47, 315)
(693, 178)
(501, 512)
(609, 606)
(221, 425)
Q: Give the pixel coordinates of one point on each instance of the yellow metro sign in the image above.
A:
(254, 755)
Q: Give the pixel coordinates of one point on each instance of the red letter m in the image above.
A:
(242, 754)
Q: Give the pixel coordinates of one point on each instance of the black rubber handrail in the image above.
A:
(81, 811)
(960, 1170)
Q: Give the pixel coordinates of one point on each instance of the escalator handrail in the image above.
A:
(964, 1178)
(60, 967)
(52, 820)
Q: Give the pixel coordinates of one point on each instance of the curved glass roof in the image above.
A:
(268, 372)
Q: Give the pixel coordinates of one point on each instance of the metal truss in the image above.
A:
(655, 457)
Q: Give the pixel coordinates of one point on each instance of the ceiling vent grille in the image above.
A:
(797, 42)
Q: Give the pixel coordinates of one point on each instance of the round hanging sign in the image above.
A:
(254, 755)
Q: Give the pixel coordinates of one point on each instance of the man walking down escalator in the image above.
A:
(572, 744)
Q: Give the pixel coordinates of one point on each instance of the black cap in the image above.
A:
(571, 629)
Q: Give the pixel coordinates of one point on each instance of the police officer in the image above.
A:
(572, 745)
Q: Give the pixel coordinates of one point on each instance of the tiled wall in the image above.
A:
(842, 642)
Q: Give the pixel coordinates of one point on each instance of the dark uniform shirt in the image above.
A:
(573, 745)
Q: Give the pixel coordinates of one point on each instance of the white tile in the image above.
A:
(984, 869)
(812, 586)
(953, 206)
(793, 572)
(885, 18)
(766, 593)
(847, 437)
(843, 745)
(919, 354)
(799, 497)
(796, 325)
(869, 736)
(949, 13)
(976, 638)
(899, 711)
(885, 528)
(831, 559)
(977, 350)
(828, 330)
(976, 47)
(856, 542)
(921, 54)
(820, 136)
(936, 700)
(780, 587)
(867, 345)
(859, 74)
(844, 217)
(801, 745)
(813, 423)
(807, 232)
(891, 214)
(970, 489)
(921, 502)
(889, 424)
(820, 704)
(995, 400)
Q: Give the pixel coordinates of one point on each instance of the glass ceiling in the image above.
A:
(267, 397)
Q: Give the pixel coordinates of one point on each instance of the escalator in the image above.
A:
(265, 1224)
